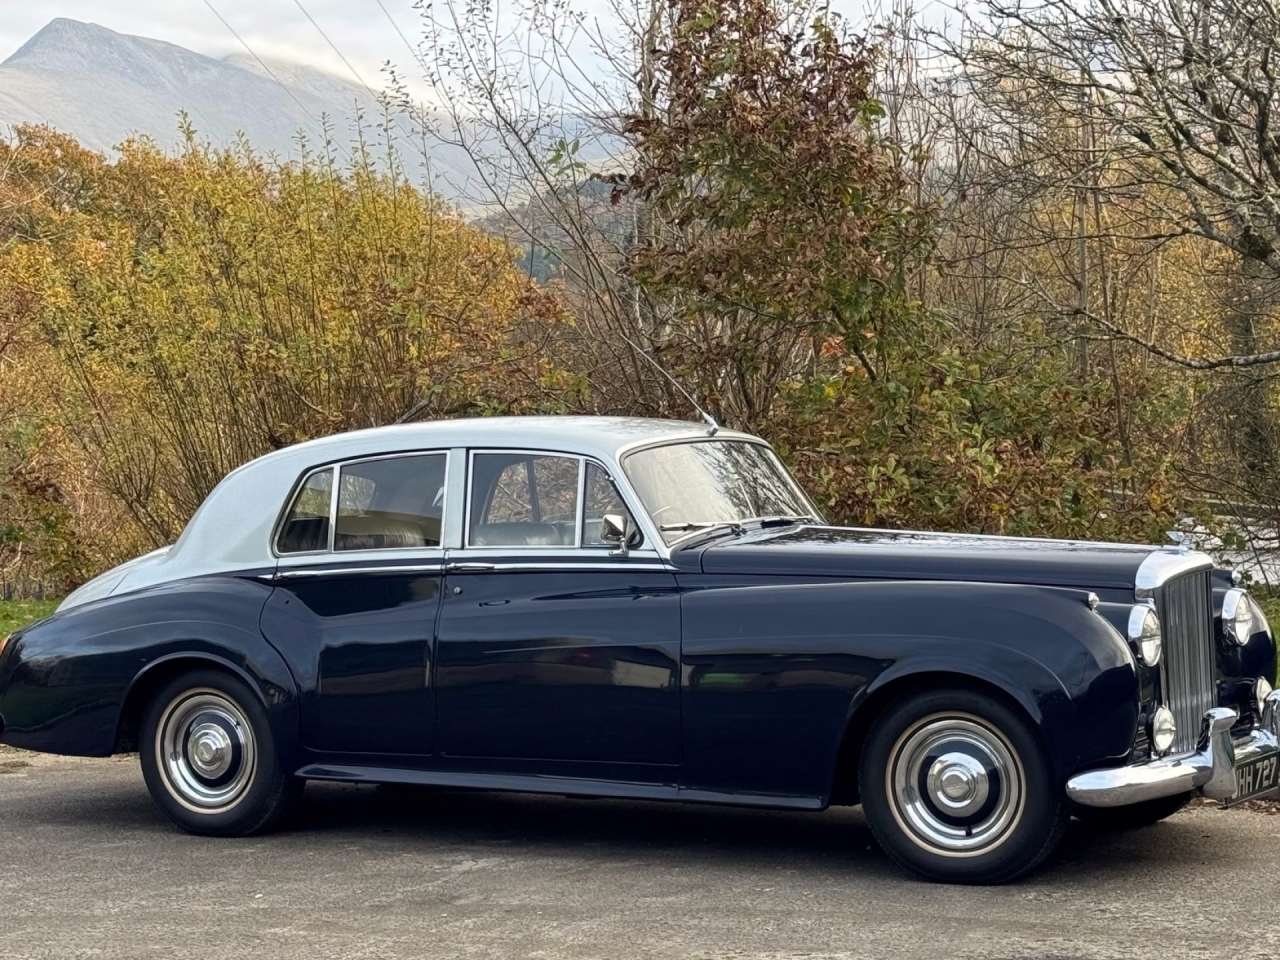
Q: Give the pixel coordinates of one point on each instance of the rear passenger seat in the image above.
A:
(375, 532)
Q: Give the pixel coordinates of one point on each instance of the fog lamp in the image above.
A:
(1261, 690)
(1163, 730)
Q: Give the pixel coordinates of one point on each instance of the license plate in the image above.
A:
(1256, 777)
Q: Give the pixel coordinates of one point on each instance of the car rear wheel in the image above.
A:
(957, 788)
(1134, 816)
(209, 758)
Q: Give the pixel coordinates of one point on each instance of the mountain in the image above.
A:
(102, 87)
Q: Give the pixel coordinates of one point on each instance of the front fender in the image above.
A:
(66, 679)
(777, 674)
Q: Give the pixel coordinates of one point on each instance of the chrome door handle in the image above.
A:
(468, 567)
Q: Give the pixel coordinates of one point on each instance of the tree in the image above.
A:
(1179, 100)
(783, 218)
(1186, 95)
(209, 307)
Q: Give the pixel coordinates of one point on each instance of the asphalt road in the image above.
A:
(89, 869)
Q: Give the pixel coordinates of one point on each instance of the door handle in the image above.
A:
(468, 567)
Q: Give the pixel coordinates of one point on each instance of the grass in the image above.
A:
(1270, 604)
(18, 613)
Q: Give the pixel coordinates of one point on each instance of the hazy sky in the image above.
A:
(273, 28)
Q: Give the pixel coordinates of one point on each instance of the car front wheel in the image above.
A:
(957, 788)
(209, 759)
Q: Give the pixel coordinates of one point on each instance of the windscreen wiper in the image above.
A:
(691, 525)
(782, 521)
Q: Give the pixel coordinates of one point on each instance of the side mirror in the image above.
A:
(615, 528)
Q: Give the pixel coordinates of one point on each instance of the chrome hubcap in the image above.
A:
(956, 785)
(209, 748)
(207, 751)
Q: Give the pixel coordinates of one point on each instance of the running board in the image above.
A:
(563, 786)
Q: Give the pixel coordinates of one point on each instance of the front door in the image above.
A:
(358, 590)
(550, 648)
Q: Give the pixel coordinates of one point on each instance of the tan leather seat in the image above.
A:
(381, 531)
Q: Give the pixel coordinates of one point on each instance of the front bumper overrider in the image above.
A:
(1210, 770)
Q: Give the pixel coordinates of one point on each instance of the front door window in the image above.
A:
(524, 500)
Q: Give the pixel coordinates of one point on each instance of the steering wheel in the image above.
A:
(655, 514)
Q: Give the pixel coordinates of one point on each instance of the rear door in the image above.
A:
(358, 588)
(552, 649)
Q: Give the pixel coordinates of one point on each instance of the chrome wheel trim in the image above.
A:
(955, 785)
(206, 751)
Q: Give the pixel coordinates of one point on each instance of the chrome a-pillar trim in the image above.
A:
(1161, 566)
(1210, 770)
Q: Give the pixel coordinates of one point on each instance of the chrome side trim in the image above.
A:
(1210, 770)
(465, 567)
(620, 567)
(1163, 565)
(358, 571)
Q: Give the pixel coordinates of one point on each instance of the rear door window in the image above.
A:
(394, 503)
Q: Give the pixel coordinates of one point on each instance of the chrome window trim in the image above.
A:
(581, 521)
(629, 449)
(1162, 565)
(336, 468)
(334, 494)
(454, 527)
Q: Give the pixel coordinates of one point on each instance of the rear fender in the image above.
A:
(65, 684)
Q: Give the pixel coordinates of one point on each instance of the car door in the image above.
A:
(551, 647)
(358, 588)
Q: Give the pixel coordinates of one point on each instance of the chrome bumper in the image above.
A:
(1211, 770)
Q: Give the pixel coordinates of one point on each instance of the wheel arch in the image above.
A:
(921, 678)
(159, 672)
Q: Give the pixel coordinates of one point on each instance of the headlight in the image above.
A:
(1237, 616)
(1144, 633)
(1163, 730)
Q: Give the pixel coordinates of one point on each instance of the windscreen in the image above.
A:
(686, 486)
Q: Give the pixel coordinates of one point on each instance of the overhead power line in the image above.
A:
(284, 86)
(407, 45)
(333, 46)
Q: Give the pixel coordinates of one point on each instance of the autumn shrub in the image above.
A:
(950, 441)
(208, 307)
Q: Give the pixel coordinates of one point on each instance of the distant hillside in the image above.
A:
(101, 87)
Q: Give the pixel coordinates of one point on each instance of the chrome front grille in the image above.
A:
(1187, 672)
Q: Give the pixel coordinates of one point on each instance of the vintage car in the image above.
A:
(631, 608)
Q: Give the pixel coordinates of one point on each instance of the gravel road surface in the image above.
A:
(89, 869)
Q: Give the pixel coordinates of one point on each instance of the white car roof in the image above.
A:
(232, 529)
(599, 437)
